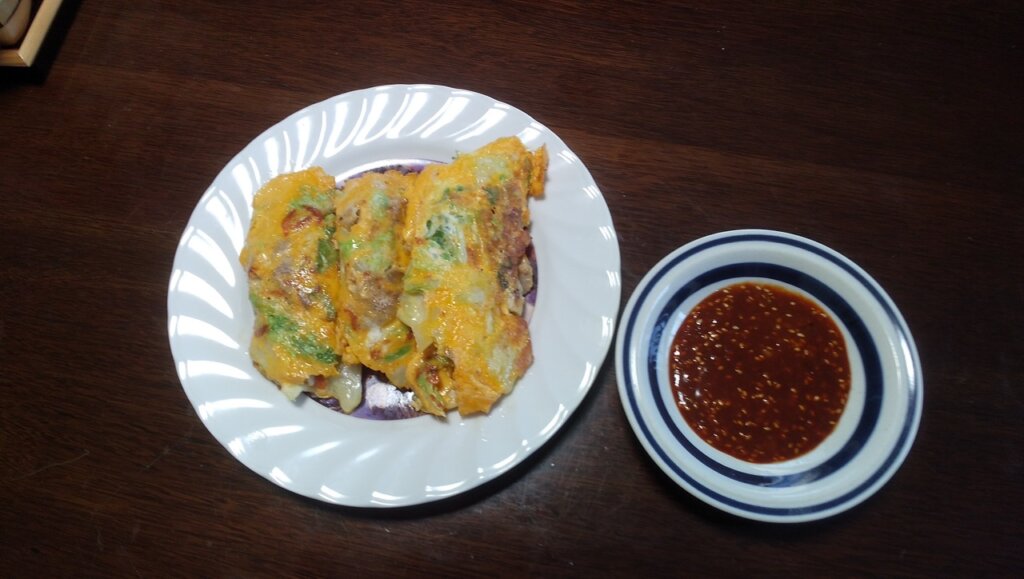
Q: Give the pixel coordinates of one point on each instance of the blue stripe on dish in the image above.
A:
(912, 391)
(854, 324)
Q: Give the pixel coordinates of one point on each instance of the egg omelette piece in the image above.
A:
(292, 265)
(371, 212)
(467, 233)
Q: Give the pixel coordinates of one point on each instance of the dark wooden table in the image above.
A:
(892, 132)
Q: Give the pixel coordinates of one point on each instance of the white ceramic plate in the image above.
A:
(876, 429)
(313, 451)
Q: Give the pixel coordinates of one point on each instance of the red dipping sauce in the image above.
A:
(760, 372)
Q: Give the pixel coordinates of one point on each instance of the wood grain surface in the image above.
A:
(892, 132)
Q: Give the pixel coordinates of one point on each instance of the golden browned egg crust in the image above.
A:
(420, 277)
(291, 263)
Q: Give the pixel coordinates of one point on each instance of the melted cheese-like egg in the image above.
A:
(466, 229)
(291, 262)
(421, 277)
(371, 209)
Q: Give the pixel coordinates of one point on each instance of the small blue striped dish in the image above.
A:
(881, 417)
